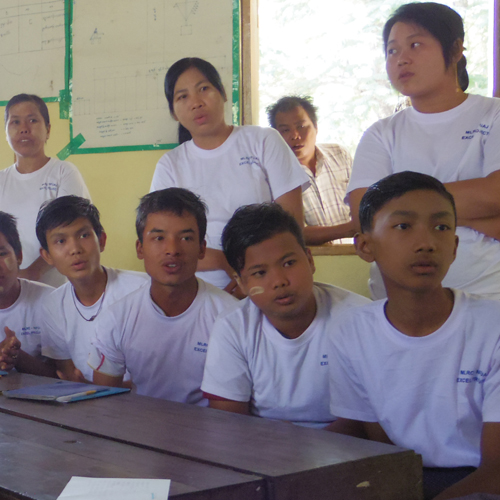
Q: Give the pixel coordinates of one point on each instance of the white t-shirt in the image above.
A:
(430, 394)
(164, 355)
(22, 195)
(456, 145)
(66, 334)
(254, 165)
(285, 379)
(24, 316)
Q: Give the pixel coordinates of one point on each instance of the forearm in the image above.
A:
(243, 408)
(317, 235)
(483, 480)
(108, 380)
(214, 260)
(477, 198)
(29, 364)
(35, 270)
(489, 226)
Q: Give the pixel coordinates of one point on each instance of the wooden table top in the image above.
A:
(293, 459)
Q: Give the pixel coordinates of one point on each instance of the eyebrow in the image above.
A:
(411, 213)
(281, 259)
(80, 231)
(414, 35)
(183, 231)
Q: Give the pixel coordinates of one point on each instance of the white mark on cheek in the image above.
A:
(10, 262)
(364, 484)
(1, 289)
(255, 290)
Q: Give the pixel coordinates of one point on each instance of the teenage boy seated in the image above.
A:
(328, 166)
(422, 368)
(20, 308)
(72, 239)
(160, 332)
(269, 355)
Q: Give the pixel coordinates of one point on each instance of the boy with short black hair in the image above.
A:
(422, 368)
(160, 332)
(269, 356)
(72, 238)
(20, 308)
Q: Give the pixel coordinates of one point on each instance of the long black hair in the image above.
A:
(173, 74)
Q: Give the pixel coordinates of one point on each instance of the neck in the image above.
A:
(419, 314)
(9, 298)
(439, 103)
(26, 165)
(174, 300)
(215, 139)
(89, 290)
(311, 163)
(294, 327)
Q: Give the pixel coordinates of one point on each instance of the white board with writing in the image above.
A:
(32, 47)
(121, 50)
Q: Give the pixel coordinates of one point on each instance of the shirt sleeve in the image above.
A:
(491, 160)
(348, 397)
(72, 182)
(491, 404)
(372, 160)
(282, 167)
(162, 177)
(54, 344)
(227, 374)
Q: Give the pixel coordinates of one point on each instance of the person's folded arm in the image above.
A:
(317, 235)
(486, 478)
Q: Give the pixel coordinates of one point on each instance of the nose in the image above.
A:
(171, 246)
(425, 241)
(403, 57)
(196, 102)
(75, 246)
(24, 127)
(280, 278)
(294, 134)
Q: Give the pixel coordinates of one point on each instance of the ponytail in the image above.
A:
(183, 134)
(463, 76)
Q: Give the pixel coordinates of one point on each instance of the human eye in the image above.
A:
(415, 44)
(259, 274)
(3, 253)
(188, 238)
(402, 226)
(443, 227)
(392, 51)
(289, 263)
(180, 97)
(59, 241)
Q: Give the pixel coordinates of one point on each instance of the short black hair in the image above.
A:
(39, 103)
(394, 186)
(64, 211)
(253, 224)
(442, 22)
(289, 103)
(8, 227)
(174, 200)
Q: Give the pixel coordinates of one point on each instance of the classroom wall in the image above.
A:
(116, 181)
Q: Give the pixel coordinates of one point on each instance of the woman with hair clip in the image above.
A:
(228, 166)
(446, 133)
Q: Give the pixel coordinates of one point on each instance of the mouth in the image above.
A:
(285, 299)
(298, 147)
(171, 267)
(424, 267)
(406, 75)
(79, 265)
(200, 119)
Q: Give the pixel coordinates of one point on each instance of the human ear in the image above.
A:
(457, 50)
(102, 241)
(363, 245)
(46, 256)
(203, 250)
(138, 249)
(48, 132)
(310, 260)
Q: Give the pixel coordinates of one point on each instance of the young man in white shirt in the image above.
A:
(160, 332)
(269, 355)
(72, 239)
(20, 308)
(422, 368)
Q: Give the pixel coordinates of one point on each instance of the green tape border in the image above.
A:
(71, 147)
(236, 87)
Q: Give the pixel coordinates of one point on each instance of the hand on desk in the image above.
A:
(9, 350)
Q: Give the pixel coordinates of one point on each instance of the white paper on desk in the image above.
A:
(97, 488)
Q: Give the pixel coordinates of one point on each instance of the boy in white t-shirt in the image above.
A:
(72, 239)
(422, 368)
(20, 308)
(160, 332)
(269, 356)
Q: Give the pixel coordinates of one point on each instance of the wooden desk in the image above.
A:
(37, 461)
(297, 463)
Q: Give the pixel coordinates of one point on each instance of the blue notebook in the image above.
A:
(63, 391)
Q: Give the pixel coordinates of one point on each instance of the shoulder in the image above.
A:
(243, 316)
(171, 156)
(338, 298)
(475, 308)
(56, 297)
(119, 277)
(6, 172)
(35, 289)
(215, 297)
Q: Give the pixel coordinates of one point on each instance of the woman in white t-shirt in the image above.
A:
(33, 179)
(228, 166)
(446, 133)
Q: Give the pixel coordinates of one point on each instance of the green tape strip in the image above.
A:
(64, 103)
(71, 147)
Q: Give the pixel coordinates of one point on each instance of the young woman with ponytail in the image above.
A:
(446, 133)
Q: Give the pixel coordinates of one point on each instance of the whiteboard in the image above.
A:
(32, 48)
(121, 50)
